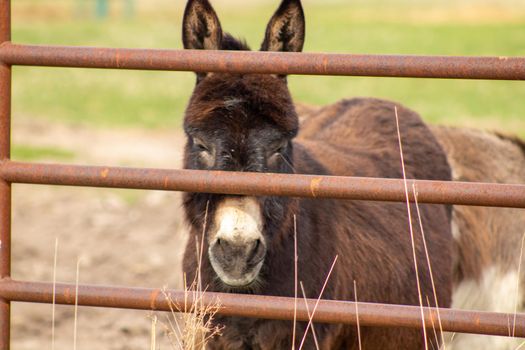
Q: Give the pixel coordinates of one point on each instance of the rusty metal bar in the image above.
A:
(340, 187)
(455, 67)
(259, 306)
(5, 186)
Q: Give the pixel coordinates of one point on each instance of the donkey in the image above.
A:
(247, 122)
(487, 241)
(487, 249)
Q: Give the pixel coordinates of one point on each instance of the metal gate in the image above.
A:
(370, 314)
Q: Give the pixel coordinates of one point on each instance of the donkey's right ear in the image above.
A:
(285, 32)
(201, 29)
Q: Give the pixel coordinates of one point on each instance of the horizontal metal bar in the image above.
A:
(264, 184)
(456, 67)
(259, 306)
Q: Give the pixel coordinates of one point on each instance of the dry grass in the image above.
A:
(357, 316)
(153, 332)
(310, 316)
(295, 260)
(411, 230)
(415, 195)
(516, 298)
(191, 326)
(310, 321)
(53, 307)
(414, 191)
(75, 323)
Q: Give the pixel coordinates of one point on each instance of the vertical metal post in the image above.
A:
(5, 187)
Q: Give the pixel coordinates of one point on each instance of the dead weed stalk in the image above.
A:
(191, 326)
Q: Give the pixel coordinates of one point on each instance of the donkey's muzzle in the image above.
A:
(237, 263)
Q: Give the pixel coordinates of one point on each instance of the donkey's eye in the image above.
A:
(205, 153)
(279, 149)
(200, 146)
(277, 153)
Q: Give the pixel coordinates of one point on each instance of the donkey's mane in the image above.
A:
(231, 43)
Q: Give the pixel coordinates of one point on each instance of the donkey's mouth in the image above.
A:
(234, 278)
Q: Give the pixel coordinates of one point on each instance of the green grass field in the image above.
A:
(111, 98)
(31, 153)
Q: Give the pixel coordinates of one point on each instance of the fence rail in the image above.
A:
(260, 306)
(501, 68)
(263, 184)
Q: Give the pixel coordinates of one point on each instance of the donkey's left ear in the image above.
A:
(285, 32)
(201, 28)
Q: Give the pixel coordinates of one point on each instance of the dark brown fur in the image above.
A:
(488, 240)
(354, 137)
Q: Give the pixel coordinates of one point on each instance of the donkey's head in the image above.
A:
(239, 122)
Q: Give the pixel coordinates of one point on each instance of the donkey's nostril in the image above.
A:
(237, 262)
(229, 252)
(257, 253)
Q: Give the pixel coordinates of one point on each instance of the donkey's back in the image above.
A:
(359, 137)
(487, 241)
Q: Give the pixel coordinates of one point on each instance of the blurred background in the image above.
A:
(111, 98)
(133, 118)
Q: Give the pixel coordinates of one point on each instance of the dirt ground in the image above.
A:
(122, 237)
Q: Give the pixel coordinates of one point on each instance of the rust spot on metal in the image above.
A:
(153, 299)
(104, 173)
(314, 186)
(67, 295)
(165, 182)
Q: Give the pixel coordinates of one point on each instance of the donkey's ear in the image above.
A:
(285, 32)
(201, 28)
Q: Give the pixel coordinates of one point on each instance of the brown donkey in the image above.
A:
(247, 122)
(487, 274)
(488, 269)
